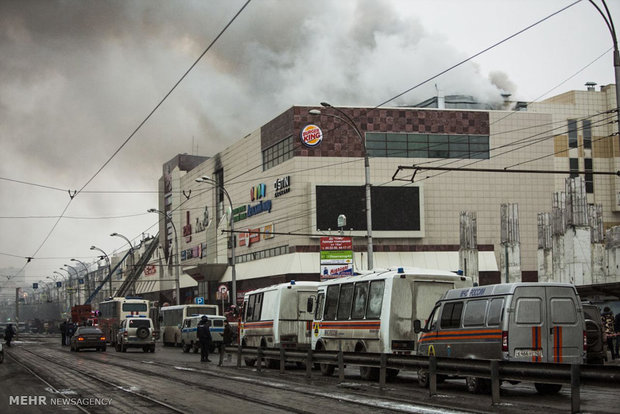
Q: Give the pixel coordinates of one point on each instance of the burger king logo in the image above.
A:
(311, 135)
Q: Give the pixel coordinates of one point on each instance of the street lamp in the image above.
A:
(347, 120)
(612, 30)
(71, 283)
(86, 277)
(176, 253)
(131, 251)
(207, 179)
(109, 266)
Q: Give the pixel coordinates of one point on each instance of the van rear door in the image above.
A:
(544, 325)
(565, 325)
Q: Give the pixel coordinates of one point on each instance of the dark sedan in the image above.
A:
(88, 337)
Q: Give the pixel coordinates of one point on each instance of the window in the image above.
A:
(572, 133)
(574, 167)
(218, 178)
(587, 134)
(278, 153)
(344, 303)
(475, 311)
(360, 298)
(528, 311)
(134, 307)
(318, 313)
(563, 311)
(257, 307)
(496, 312)
(331, 302)
(451, 315)
(431, 323)
(589, 177)
(427, 145)
(375, 299)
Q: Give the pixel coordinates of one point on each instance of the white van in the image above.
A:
(189, 332)
(277, 317)
(375, 312)
(532, 322)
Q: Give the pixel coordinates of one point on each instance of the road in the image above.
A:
(41, 376)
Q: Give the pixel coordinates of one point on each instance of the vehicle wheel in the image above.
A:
(423, 378)
(391, 374)
(369, 373)
(145, 349)
(250, 362)
(327, 370)
(196, 348)
(103, 349)
(152, 348)
(547, 389)
(185, 347)
(477, 385)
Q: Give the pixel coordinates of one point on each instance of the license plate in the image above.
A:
(528, 353)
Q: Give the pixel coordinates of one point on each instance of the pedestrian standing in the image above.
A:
(63, 332)
(607, 318)
(204, 336)
(227, 338)
(70, 332)
(9, 332)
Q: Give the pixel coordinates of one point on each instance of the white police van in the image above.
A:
(189, 332)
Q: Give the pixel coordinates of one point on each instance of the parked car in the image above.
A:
(136, 332)
(189, 332)
(595, 353)
(88, 337)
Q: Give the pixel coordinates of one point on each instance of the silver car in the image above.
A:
(137, 332)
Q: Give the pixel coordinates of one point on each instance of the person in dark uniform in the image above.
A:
(63, 332)
(204, 335)
(9, 332)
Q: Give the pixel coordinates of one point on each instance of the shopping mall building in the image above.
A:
(287, 183)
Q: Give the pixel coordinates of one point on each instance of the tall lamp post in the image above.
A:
(67, 279)
(209, 180)
(347, 120)
(612, 30)
(109, 266)
(176, 253)
(86, 277)
(131, 251)
(77, 301)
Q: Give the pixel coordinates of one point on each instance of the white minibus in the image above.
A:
(374, 312)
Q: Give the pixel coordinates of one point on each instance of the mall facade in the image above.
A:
(286, 183)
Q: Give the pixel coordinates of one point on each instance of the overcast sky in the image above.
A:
(77, 77)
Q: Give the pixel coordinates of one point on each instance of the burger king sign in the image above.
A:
(311, 135)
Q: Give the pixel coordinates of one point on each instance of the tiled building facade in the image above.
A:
(285, 194)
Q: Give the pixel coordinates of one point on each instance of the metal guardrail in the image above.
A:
(575, 375)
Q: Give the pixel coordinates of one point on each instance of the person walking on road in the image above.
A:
(608, 327)
(204, 336)
(9, 332)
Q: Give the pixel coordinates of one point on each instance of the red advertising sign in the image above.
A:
(336, 243)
